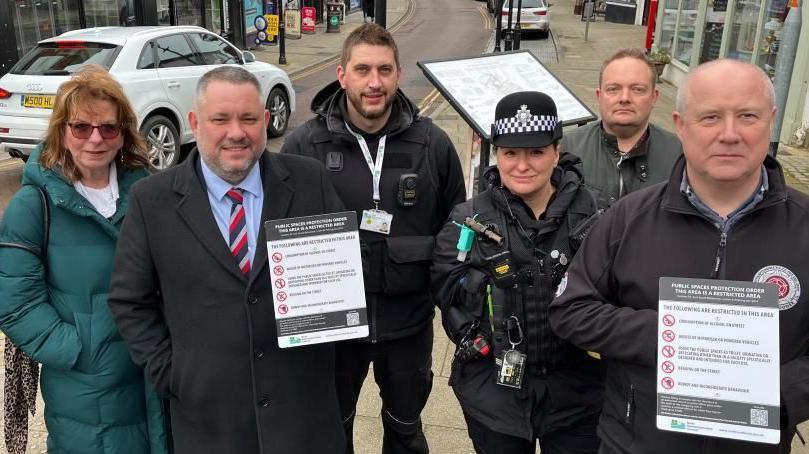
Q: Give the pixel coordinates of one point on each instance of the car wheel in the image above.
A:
(278, 105)
(544, 34)
(163, 140)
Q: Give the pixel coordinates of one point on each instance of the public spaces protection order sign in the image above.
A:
(316, 278)
(718, 364)
(474, 85)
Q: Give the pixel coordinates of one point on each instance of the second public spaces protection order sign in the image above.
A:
(718, 362)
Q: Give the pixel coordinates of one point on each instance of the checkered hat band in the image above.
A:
(535, 123)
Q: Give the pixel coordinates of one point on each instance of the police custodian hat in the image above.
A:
(526, 119)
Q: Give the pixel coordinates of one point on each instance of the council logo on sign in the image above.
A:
(789, 287)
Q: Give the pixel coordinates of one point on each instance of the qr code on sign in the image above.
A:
(352, 318)
(759, 417)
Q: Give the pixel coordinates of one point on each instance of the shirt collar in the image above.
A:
(638, 149)
(218, 187)
(705, 210)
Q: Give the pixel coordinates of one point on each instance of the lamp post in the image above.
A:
(380, 12)
(499, 20)
(282, 51)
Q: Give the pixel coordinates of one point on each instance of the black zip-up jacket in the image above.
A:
(396, 266)
(612, 175)
(574, 378)
(610, 302)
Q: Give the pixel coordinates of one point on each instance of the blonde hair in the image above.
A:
(91, 83)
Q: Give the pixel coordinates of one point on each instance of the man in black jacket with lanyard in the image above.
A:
(725, 213)
(624, 152)
(360, 124)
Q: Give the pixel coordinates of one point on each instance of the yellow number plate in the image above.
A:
(38, 101)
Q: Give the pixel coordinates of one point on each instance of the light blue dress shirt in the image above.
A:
(220, 204)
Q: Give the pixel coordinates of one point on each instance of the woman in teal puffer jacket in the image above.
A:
(96, 400)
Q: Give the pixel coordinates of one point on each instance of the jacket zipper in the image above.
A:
(372, 319)
(620, 176)
(630, 400)
(720, 254)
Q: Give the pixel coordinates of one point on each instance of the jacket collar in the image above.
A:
(675, 200)
(327, 105)
(62, 193)
(566, 180)
(195, 210)
(640, 148)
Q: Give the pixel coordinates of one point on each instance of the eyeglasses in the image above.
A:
(85, 130)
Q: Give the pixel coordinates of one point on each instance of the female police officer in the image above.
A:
(498, 263)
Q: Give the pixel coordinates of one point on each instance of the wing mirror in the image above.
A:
(249, 57)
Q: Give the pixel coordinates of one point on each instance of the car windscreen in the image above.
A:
(63, 58)
(526, 4)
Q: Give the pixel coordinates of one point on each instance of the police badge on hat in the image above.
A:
(526, 119)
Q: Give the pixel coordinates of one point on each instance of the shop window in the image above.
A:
(714, 28)
(174, 51)
(770, 39)
(668, 26)
(686, 24)
(104, 13)
(163, 12)
(38, 20)
(743, 26)
(189, 12)
(214, 50)
(213, 16)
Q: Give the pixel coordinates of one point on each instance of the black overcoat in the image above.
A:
(206, 334)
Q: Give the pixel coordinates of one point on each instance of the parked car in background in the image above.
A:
(158, 68)
(535, 16)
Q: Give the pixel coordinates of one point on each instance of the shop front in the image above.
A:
(697, 31)
(35, 20)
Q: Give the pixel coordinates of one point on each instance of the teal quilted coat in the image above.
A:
(96, 400)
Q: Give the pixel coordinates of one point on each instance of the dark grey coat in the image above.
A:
(609, 174)
(206, 334)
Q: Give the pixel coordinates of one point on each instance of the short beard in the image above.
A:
(356, 102)
(232, 175)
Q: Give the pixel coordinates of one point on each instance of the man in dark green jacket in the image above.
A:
(624, 152)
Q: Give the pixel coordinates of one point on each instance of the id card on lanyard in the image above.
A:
(374, 220)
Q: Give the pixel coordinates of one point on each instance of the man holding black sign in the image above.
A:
(726, 214)
(363, 120)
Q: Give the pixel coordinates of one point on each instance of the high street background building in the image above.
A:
(25, 22)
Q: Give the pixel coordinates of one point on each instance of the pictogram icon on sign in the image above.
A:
(278, 270)
(667, 382)
(277, 257)
(668, 351)
(282, 309)
(280, 283)
(668, 320)
(668, 367)
(281, 296)
(668, 335)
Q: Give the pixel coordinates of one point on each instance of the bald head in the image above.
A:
(723, 69)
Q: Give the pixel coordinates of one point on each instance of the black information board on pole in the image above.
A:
(474, 85)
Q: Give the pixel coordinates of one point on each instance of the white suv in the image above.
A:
(158, 67)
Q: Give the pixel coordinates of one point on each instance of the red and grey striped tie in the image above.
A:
(238, 230)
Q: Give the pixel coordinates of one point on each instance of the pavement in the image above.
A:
(574, 61)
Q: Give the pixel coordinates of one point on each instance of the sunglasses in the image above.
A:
(85, 130)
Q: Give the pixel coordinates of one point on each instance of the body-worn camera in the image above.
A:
(407, 189)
